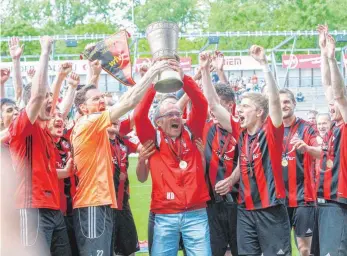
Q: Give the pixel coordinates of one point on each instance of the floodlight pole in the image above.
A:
(290, 62)
(274, 62)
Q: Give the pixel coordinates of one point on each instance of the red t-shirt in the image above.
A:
(32, 151)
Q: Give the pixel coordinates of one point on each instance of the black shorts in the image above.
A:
(71, 234)
(125, 238)
(302, 219)
(151, 220)
(222, 219)
(44, 230)
(332, 228)
(93, 229)
(264, 231)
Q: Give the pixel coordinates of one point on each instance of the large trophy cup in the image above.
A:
(163, 40)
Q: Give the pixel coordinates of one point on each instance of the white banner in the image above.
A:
(240, 63)
(78, 66)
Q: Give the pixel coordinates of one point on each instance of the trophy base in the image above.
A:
(169, 81)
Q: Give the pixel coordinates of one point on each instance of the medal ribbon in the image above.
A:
(249, 151)
(226, 143)
(330, 150)
(177, 155)
(292, 130)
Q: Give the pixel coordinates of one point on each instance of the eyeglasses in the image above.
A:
(171, 115)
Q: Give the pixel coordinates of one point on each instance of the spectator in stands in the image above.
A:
(300, 97)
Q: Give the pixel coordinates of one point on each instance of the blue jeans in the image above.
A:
(195, 233)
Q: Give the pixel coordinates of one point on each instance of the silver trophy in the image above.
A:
(162, 37)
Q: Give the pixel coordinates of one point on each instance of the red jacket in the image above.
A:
(175, 190)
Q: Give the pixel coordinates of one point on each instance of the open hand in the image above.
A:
(15, 49)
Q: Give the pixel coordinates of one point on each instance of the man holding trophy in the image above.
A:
(179, 191)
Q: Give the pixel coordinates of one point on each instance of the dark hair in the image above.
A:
(289, 93)
(224, 91)
(27, 93)
(81, 96)
(6, 101)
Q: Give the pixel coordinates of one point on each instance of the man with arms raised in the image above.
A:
(221, 154)
(332, 178)
(262, 222)
(299, 149)
(32, 151)
(179, 191)
(95, 193)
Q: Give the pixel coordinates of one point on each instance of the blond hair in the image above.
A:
(261, 101)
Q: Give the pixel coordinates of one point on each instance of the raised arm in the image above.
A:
(73, 82)
(64, 70)
(5, 75)
(197, 116)
(132, 97)
(183, 102)
(219, 112)
(218, 65)
(39, 84)
(325, 69)
(337, 83)
(275, 113)
(95, 67)
(16, 51)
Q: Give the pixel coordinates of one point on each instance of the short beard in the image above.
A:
(288, 115)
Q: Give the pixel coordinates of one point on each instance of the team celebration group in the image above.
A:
(226, 175)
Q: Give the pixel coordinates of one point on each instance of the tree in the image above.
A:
(183, 12)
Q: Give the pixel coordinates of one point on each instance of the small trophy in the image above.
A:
(163, 40)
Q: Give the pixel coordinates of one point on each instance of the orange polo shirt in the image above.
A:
(93, 161)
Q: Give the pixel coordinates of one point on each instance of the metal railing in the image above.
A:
(187, 35)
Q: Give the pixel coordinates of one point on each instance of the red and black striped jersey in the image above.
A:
(332, 177)
(298, 170)
(221, 155)
(261, 179)
(67, 186)
(121, 147)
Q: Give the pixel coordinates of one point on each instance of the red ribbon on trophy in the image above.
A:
(113, 53)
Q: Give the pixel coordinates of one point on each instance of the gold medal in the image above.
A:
(183, 164)
(284, 162)
(330, 163)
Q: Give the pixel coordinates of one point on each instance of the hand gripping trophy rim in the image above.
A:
(163, 40)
